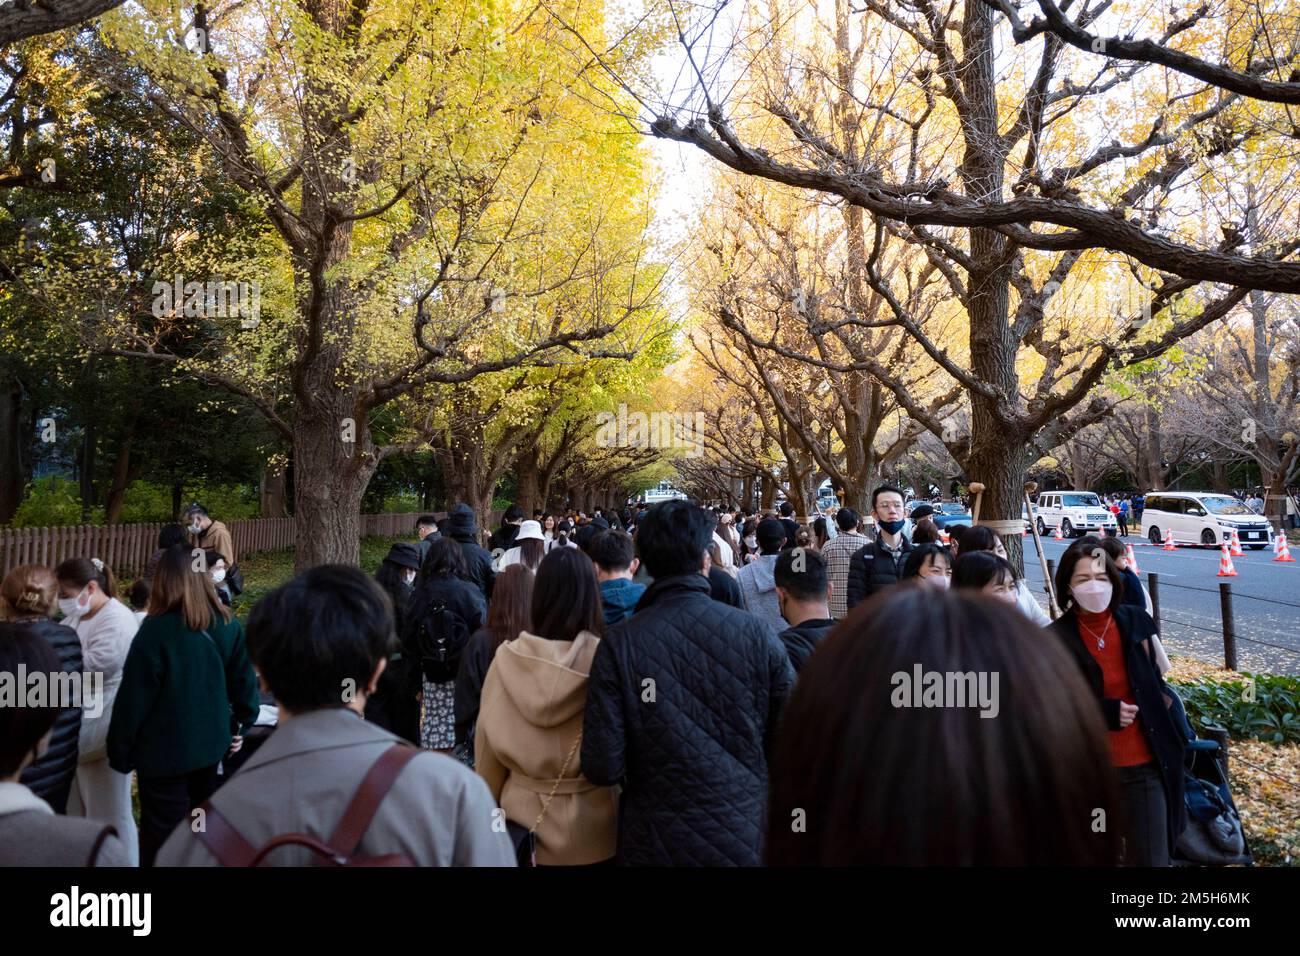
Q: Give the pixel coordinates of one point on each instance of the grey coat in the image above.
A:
(758, 588)
(31, 834)
(438, 812)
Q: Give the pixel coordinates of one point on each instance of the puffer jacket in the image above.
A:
(526, 748)
(682, 704)
(801, 640)
(873, 568)
(50, 777)
(463, 527)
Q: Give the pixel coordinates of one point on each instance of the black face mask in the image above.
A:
(892, 527)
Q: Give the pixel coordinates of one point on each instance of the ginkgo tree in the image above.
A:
(443, 200)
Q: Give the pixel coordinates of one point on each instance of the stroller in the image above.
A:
(1214, 835)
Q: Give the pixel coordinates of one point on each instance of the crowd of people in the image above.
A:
(671, 685)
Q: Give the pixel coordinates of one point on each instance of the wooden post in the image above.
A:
(1229, 625)
(1153, 585)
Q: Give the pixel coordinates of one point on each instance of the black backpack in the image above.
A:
(441, 638)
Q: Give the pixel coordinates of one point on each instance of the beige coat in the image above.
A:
(529, 717)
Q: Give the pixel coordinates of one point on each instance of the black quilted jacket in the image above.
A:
(51, 777)
(682, 703)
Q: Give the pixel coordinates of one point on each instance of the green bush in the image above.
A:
(52, 500)
(401, 502)
(1273, 716)
(146, 501)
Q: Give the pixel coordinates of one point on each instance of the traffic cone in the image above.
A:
(1056, 535)
(1226, 570)
(1280, 550)
(1132, 559)
(1236, 545)
(1169, 540)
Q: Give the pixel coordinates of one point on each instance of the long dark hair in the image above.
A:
(531, 552)
(875, 779)
(975, 569)
(446, 559)
(510, 610)
(981, 537)
(1087, 548)
(566, 596)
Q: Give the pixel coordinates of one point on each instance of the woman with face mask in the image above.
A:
(105, 626)
(931, 564)
(1112, 644)
(218, 566)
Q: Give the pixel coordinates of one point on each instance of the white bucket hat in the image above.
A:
(529, 530)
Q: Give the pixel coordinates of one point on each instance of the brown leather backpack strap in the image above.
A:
(374, 787)
(223, 840)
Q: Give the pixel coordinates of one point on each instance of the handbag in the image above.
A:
(235, 579)
(523, 839)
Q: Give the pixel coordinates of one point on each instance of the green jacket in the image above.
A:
(182, 696)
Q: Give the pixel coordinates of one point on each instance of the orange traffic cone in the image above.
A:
(1226, 570)
(1056, 535)
(1132, 559)
(1280, 550)
(1169, 540)
(1236, 545)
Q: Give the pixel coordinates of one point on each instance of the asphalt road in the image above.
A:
(1266, 601)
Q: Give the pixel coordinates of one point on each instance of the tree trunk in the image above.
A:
(13, 474)
(528, 492)
(747, 492)
(178, 496)
(122, 475)
(330, 478)
(272, 490)
(1153, 452)
(1219, 480)
(767, 493)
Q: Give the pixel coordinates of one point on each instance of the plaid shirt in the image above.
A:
(837, 554)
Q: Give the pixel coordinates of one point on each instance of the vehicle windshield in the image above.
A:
(1080, 501)
(1223, 505)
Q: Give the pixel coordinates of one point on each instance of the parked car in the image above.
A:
(1076, 512)
(1202, 517)
(945, 512)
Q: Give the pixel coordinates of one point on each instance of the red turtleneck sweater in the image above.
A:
(1128, 747)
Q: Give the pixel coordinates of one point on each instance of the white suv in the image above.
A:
(1077, 512)
(1199, 517)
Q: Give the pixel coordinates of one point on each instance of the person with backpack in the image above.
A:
(393, 705)
(188, 696)
(462, 527)
(445, 610)
(31, 833)
(530, 724)
(682, 703)
(879, 563)
(328, 786)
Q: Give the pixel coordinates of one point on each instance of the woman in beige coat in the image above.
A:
(528, 741)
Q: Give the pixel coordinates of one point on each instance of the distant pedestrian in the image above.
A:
(614, 555)
(757, 581)
(1122, 516)
(838, 553)
(210, 535)
(804, 591)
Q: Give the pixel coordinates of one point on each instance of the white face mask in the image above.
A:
(73, 606)
(939, 581)
(218, 576)
(1093, 596)
(409, 577)
(196, 528)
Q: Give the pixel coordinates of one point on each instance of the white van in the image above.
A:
(1077, 512)
(1202, 517)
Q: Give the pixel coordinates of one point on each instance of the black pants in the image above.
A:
(167, 801)
(1123, 524)
(1146, 831)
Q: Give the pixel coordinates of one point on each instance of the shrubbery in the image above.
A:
(1272, 716)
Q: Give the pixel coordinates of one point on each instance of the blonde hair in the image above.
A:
(28, 590)
(178, 586)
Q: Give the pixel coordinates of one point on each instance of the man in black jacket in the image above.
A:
(503, 538)
(682, 703)
(803, 591)
(463, 527)
(880, 563)
(791, 526)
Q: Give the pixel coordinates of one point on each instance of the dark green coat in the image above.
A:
(182, 696)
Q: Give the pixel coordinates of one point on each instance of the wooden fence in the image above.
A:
(126, 547)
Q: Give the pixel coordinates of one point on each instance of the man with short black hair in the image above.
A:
(757, 586)
(503, 538)
(321, 643)
(614, 556)
(791, 526)
(803, 590)
(880, 563)
(426, 529)
(682, 705)
(207, 534)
